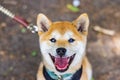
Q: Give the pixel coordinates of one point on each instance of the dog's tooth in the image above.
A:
(72, 56)
(68, 59)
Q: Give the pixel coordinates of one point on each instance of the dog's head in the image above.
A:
(62, 43)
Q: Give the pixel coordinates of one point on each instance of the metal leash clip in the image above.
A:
(33, 28)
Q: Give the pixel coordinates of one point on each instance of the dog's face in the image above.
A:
(62, 44)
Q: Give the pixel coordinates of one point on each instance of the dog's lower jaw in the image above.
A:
(72, 68)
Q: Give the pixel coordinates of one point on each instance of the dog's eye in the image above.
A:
(53, 40)
(71, 40)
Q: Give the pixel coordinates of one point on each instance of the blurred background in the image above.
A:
(19, 48)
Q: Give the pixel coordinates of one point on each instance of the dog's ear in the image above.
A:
(43, 23)
(82, 23)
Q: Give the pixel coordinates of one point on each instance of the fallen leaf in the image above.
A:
(34, 53)
(73, 8)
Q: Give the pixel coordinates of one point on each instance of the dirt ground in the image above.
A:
(16, 59)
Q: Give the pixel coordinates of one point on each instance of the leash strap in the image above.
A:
(31, 27)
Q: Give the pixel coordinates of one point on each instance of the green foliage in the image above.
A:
(73, 8)
(23, 30)
(92, 78)
(34, 53)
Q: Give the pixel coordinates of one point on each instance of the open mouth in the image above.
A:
(62, 63)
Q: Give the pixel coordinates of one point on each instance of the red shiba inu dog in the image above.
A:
(62, 46)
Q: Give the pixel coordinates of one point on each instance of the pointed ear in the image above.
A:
(43, 23)
(82, 23)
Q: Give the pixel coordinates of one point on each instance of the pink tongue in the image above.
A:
(61, 63)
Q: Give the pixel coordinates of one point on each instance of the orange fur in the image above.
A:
(61, 27)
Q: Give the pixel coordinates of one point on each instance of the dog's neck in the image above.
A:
(49, 75)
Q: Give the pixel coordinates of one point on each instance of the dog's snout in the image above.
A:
(61, 51)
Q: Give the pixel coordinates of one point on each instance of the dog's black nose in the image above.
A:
(61, 51)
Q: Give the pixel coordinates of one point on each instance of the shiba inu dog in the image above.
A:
(62, 46)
